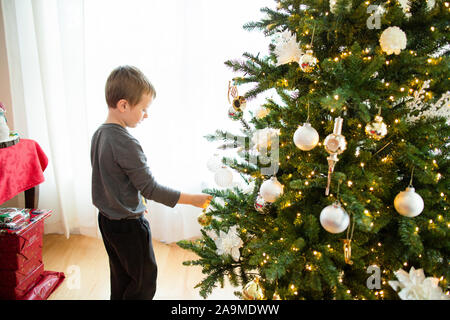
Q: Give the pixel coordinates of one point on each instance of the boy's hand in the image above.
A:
(201, 200)
(197, 200)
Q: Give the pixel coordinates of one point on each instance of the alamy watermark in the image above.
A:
(374, 281)
(73, 277)
(374, 21)
(263, 150)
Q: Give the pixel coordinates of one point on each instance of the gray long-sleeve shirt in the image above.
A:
(121, 176)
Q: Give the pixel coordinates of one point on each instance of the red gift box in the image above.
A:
(17, 292)
(18, 241)
(16, 261)
(12, 278)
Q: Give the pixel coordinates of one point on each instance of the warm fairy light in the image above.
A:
(387, 62)
(433, 28)
(429, 60)
(371, 188)
(387, 84)
(349, 183)
(391, 98)
(362, 164)
(431, 221)
(396, 120)
(336, 59)
(336, 97)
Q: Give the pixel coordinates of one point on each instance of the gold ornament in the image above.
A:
(348, 245)
(239, 103)
(348, 251)
(253, 290)
(308, 62)
(276, 296)
(204, 219)
(334, 144)
(377, 129)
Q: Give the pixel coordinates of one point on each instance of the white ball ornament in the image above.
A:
(271, 189)
(306, 137)
(393, 40)
(334, 218)
(223, 177)
(408, 203)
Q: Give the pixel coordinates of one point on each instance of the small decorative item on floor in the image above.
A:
(7, 138)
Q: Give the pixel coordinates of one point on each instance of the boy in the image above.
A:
(120, 177)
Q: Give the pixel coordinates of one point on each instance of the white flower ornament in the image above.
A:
(414, 286)
(229, 243)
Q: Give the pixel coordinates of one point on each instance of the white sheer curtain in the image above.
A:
(60, 53)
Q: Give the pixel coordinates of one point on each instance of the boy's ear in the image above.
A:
(122, 105)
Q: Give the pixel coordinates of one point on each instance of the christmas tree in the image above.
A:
(361, 132)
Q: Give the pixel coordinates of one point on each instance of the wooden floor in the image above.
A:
(85, 264)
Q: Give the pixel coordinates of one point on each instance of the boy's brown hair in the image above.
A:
(129, 83)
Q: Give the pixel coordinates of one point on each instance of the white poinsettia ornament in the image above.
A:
(393, 40)
(229, 243)
(287, 49)
(414, 286)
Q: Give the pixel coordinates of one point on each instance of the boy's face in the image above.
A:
(135, 115)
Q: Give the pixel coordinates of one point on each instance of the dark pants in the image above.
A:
(132, 261)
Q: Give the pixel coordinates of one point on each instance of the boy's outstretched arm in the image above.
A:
(197, 200)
